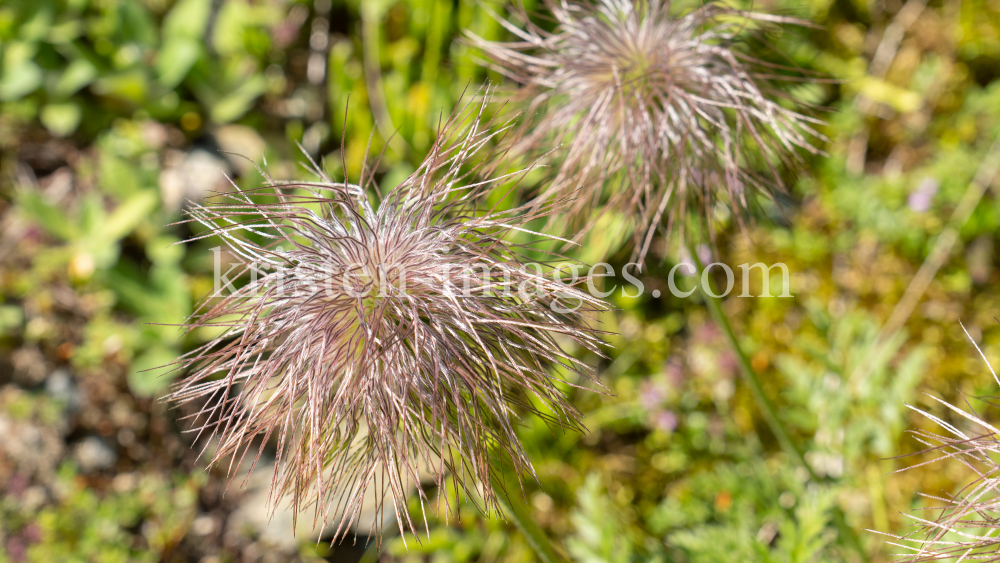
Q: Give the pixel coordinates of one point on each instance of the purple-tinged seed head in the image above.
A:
(371, 344)
(655, 116)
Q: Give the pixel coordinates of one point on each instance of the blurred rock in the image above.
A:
(278, 531)
(125, 482)
(244, 147)
(60, 386)
(30, 366)
(94, 455)
(33, 498)
(28, 449)
(203, 525)
(57, 185)
(253, 514)
(191, 176)
(155, 134)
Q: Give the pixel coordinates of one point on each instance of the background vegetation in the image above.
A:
(113, 111)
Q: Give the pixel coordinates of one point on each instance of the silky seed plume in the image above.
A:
(386, 344)
(653, 115)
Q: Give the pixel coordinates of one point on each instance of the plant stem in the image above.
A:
(752, 381)
(533, 533)
(536, 538)
(371, 552)
(750, 376)
(371, 16)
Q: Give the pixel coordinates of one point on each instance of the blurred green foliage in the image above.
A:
(80, 64)
(107, 106)
(80, 526)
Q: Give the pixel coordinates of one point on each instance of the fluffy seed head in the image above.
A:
(670, 109)
(384, 344)
(961, 526)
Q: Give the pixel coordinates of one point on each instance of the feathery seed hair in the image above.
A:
(963, 526)
(669, 111)
(385, 344)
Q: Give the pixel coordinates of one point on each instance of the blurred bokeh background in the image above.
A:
(114, 112)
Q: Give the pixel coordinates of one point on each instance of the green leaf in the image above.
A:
(600, 535)
(49, 217)
(66, 31)
(188, 18)
(138, 24)
(78, 74)
(238, 102)
(11, 318)
(162, 297)
(118, 177)
(233, 21)
(92, 216)
(36, 26)
(901, 99)
(134, 296)
(19, 81)
(533, 534)
(150, 373)
(176, 58)
(61, 119)
(131, 85)
(129, 214)
(165, 250)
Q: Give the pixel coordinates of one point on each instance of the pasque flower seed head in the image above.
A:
(385, 343)
(655, 115)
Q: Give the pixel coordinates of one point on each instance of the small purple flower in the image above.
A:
(665, 420)
(727, 363)
(32, 533)
(16, 549)
(920, 199)
(707, 334)
(705, 254)
(652, 395)
(674, 371)
(17, 484)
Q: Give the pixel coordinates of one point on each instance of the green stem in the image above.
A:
(371, 552)
(533, 533)
(749, 376)
(752, 380)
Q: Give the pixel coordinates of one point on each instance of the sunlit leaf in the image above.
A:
(176, 58)
(61, 119)
(188, 18)
(238, 102)
(78, 74)
(131, 85)
(20, 80)
(148, 375)
(129, 214)
(50, 217)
